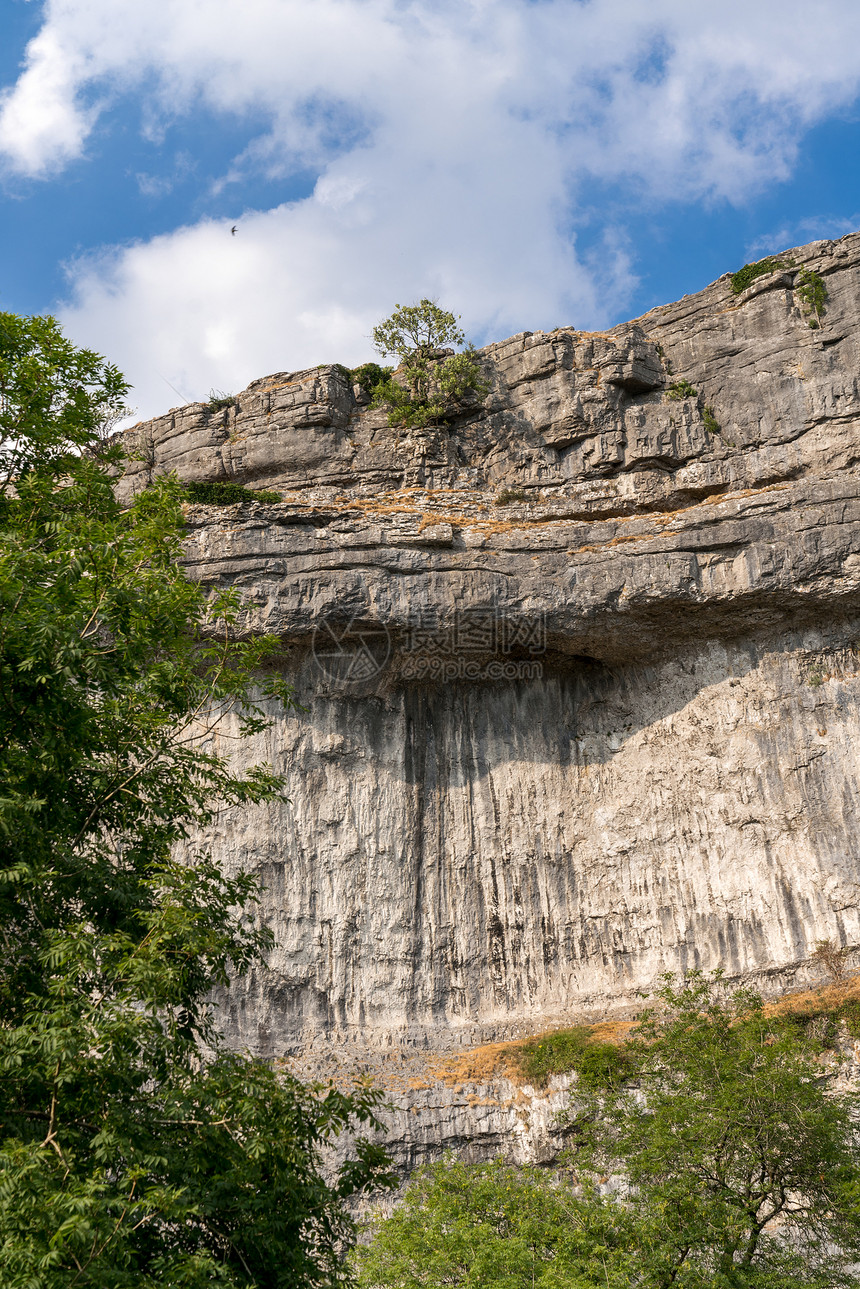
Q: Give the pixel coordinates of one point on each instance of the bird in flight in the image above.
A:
(233, 230)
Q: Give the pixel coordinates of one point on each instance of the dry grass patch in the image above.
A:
(595, 1051)
(822, 1011)
(535, 1059)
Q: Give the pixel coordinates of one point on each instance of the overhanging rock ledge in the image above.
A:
(596, 716)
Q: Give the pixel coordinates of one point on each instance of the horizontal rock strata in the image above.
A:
(577, 673)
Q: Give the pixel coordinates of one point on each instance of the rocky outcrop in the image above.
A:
(577, 674)
(476, 1105)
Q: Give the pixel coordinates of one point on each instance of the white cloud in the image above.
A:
(42, 122)
(454, 140)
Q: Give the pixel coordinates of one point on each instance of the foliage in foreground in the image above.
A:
(495, 1225)
(734, 1168)
(431, 385)
(127, 1156)
(741, 1164)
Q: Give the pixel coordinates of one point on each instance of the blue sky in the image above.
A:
(531, 163)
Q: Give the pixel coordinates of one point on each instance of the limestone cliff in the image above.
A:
(577, 672)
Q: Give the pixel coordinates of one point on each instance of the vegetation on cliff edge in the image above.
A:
(226, 493)
(432, 383)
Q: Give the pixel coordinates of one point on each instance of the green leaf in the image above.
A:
(134, 1151)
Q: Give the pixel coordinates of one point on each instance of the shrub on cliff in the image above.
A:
(573, 1050)
(219, 401)
(812, 294)
(225, 493)
(758, 268)
(432, 383)
(369, 376)
(134, 1150)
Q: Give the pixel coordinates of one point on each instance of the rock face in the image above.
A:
(577, 673)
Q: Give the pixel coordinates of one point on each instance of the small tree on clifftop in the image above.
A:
(416, 328)
(433, 383)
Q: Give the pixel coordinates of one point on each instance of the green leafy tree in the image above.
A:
(54, 397)
(430, 385)
(471, 1226)
(741, 1162)
(735, 1167)
(415, 328)
(134, 1150)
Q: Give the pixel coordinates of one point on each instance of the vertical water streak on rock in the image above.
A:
(414, 765)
